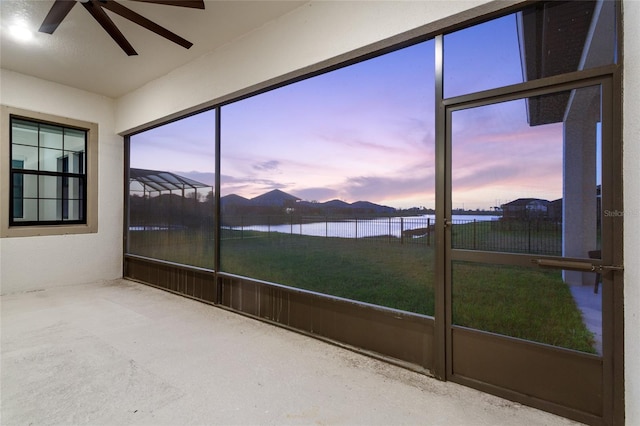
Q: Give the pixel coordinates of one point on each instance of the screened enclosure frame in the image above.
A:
(159, 181)
(611, 359)
(414, 341)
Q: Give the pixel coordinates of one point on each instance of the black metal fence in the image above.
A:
(513, 236)
(405, 230)
(534, 236)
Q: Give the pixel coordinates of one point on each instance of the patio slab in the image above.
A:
(590, 305)
(123, 353)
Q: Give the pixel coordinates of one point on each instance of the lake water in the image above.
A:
(362, 228)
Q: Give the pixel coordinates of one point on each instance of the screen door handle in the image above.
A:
(575, 265)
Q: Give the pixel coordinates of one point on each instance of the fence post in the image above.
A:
(428, 231)
(268, 226)
(242, 227)
(402, 230)
(326, 227)
(356, 223)
(389, 238)
(475, 234)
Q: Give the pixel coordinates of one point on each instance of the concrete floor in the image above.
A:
(123, 353)
(590, 305)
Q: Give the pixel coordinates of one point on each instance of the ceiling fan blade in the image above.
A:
(146, 23)
(103, 19)
(195, 4)
(56, 14)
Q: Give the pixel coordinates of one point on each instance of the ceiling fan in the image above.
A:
(61, 8)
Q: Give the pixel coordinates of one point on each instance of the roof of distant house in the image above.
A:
(523, 202)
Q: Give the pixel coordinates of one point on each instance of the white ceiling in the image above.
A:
(82, 55)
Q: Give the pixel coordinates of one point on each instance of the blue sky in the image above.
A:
(482, 57)
(366, 132)
(361, 133)
(497, 157)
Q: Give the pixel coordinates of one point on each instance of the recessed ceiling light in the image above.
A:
(20, 32)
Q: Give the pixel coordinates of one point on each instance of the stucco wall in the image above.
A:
(29, 263)
(631, 135)
(316, 32)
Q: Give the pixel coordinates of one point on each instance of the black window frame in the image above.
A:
(17, 185)
(16, 176)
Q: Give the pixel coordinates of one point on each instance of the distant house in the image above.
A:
(554, 210)
(525, 208)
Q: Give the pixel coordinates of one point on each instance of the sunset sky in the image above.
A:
(366, 132)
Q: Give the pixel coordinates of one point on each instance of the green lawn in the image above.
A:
(393, 275)
(527, 303)
(188, 247)
(539, 237)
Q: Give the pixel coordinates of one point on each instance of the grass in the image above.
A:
(392, 275)
(511, 236)
(187, 247)
(525, 303)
